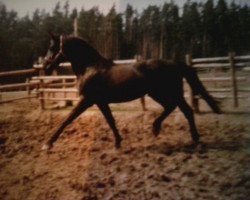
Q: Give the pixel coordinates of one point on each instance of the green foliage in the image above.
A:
(202, 29)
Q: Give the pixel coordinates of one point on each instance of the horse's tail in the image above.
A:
(198, 88)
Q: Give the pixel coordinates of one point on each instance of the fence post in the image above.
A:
(234, 79)
(41, 94)
(28, 87)
(192, 99)
(0, 95)
(64, 86)
(41, 71)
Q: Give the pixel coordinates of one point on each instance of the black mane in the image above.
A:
(80, 53)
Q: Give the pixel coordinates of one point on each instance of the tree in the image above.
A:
(130, 35)
(8, 21)
(243, 30)
(170, 31)
(191, 28)
(149, 30)
(113, 31)
(208, 18)
(157, 32)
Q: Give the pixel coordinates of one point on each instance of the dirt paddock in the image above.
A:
(84, 165)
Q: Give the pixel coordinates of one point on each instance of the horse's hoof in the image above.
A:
(196, 139)
(156, 131)
(118, 143)
(219, 112)
(46, 147)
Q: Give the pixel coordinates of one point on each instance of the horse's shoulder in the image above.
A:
(89, 75)
(90, 80)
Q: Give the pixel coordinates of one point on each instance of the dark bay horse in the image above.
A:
(100, 82)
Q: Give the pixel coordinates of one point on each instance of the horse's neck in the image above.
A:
(100, 65)
(87, 72)
(106, 63)
(78, 69)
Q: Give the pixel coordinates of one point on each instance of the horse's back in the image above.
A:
(160, 70)
(163, 78)
(122, 83)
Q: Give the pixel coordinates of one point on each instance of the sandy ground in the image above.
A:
(84, 165)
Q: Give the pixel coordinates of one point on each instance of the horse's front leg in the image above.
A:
(81, 107)
(111, 121)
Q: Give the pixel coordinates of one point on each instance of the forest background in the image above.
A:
(201, 29)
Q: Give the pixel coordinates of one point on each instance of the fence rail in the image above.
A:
(18, 72)
(18, 86)
(218, 65)
(49, 92)
(219, 59)
(67, 77)
(67, 64)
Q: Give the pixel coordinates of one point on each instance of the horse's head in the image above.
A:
(74, 50)
(53, 53)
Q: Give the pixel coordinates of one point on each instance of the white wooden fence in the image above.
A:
(228, 68)
(47, 88)
(50, 93)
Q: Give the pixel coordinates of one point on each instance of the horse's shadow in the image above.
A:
(226, 112)
(201, 147)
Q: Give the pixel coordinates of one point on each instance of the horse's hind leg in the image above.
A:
(188, 112)
(81, 107)
(157, 123)
(111, 121)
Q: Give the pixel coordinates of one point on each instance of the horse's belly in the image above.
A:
(126, 92)
(118, 97)
(118, 85)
